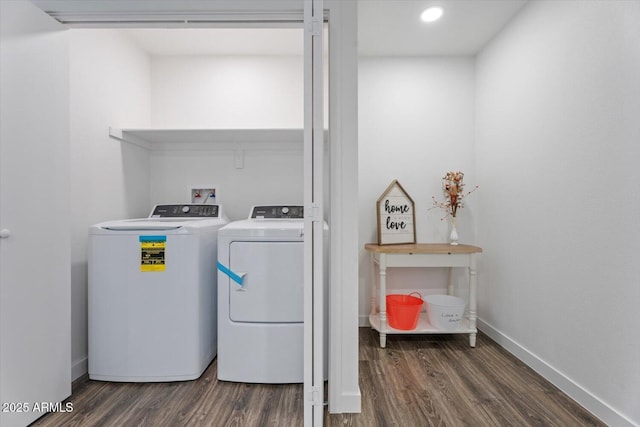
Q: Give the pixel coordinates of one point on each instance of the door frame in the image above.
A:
(314, 213)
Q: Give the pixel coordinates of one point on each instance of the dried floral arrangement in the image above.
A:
(453, 189)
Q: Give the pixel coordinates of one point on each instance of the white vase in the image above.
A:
(453, 237)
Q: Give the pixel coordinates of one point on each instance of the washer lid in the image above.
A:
(141, 225)
(167, 225)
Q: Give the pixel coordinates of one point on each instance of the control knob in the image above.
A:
(186, 209)
(285, 210)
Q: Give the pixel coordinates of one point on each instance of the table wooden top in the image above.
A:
(422, 248)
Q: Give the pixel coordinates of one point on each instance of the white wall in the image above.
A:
(234, 92)
(416, 122)
(110, 86)
(557, 157)
(268, 177)
(228, 92)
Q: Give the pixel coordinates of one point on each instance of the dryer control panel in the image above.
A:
(185, 211)
(277, 212)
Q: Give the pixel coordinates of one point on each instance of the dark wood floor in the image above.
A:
(418, 380)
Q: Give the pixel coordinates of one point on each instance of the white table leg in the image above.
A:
(450, 283)
(383, 300)
(374, 281)
(473, 289)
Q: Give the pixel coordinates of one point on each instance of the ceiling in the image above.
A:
(385, 28)
(393, 27)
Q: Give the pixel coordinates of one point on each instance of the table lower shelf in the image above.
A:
(424, 327)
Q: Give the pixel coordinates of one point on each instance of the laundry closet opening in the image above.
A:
(156, 112)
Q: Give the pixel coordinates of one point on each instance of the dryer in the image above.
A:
(153, 295)
(261, 295)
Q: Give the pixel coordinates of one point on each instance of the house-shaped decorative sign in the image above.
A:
(396, 216)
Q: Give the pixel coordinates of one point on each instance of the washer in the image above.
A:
(261, 296)
(152, 294)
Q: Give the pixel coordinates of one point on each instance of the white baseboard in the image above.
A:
(363, 320)
(586, 399)
(79, 368)
(349, 403)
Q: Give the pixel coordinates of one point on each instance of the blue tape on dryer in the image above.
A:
(238, 278)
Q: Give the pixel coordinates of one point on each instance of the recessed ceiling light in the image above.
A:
(431, 14)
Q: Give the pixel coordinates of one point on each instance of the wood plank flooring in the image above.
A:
(418, 380)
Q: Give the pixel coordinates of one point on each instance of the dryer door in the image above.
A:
(273, 285)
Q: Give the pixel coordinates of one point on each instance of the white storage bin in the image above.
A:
(445, 311)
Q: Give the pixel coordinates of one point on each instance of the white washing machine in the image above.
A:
(152, 294)
(261, 295)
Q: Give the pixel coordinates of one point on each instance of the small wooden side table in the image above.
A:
(422, 255)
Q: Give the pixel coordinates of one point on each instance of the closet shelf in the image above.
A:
(211, 139)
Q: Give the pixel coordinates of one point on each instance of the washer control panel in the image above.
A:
(185, 211)
(277, 212)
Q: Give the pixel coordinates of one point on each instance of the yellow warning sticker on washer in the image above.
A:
(152, 249)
